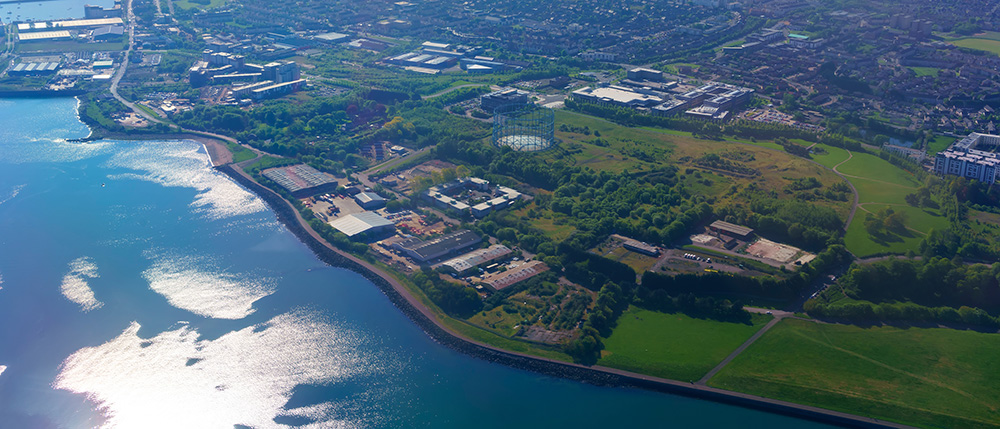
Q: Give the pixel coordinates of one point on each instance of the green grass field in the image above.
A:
(987, 45)
(938, 144)
(673, 346)
(919, 220)
(832, 157)
(922, 377)
(240, 153)
(925, 71)
(879, 184)
(188, 4)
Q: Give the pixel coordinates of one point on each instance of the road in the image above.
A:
(152, 118)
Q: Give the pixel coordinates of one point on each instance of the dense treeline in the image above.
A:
(706, 307)
(790, 221)
(929, 282)
(592, 271)
(864, 311)
(453, 298)
(612, 300)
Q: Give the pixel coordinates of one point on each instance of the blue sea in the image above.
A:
(139, 288)
(47, 10)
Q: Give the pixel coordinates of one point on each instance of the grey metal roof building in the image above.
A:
(424, 251)
(361, 223)
(476, 258)
(731, 229)
(369, 200)
(299, 179)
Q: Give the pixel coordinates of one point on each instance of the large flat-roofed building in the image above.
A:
(74, 24)
(423, 251)
(276, 89)
(476, 258)
(641, 73)
(44, 36)
(366, 223)
(489, 102)
(730, 229)
(616, 96)
(516, 274)
(300, 179)
(33, 69)
(966, 158)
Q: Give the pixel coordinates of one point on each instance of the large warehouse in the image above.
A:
(301, 180)
(361, 223)
(476, 258)
(424, 251)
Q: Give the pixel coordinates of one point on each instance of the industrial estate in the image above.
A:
(789, 200)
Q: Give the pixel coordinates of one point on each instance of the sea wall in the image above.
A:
(597, 376)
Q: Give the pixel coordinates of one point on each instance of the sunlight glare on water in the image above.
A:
(183, 165)
(177, 380)
(75, 287)
(197, 285)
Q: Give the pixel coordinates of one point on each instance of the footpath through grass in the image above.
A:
(673, 345)
(922, 377)
(880, 185)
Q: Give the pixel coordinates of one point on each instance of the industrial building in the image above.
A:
(476, 258)
(502, 196)
(33, 69)
(369, 200)
(507, 96)
(44, 36)
(366, 223)
(507, 197)
(423, 251)
(965, 158)
(516, 274)
(75, 24)
(732, 230)
(106, 33)
(640, 247)
(301, 180)
(617, 96)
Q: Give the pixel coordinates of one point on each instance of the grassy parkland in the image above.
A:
(923, 377)
(881, 185)
(673, 345)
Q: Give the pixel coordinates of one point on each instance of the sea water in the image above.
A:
(139, 288)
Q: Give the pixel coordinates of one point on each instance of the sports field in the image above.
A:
(916, 376)
(987, 45)
(673, 345)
